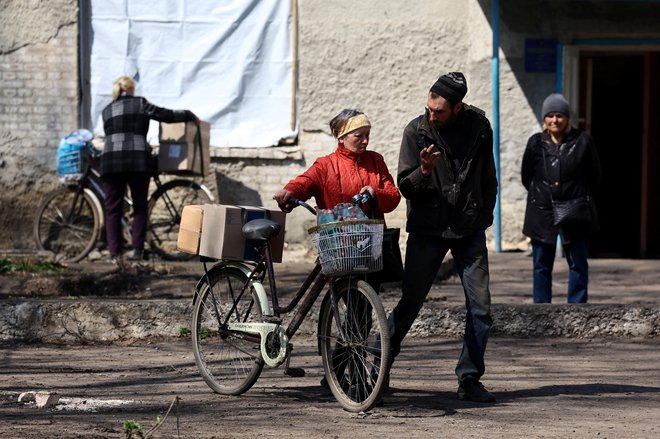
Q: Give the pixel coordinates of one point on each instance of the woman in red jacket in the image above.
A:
(349, 170)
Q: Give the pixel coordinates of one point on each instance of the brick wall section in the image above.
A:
(38, 104)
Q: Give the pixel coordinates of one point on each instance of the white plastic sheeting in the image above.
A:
(229, 61)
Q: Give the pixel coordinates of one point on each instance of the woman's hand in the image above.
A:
(428, 158)
(282, 197)
(370, 190)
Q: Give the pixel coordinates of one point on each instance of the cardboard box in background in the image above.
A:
(190, 229)
(179, 153)
(222, 235)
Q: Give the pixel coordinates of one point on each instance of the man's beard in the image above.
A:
(442, 124)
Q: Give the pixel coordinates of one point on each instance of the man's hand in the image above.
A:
(428, 158)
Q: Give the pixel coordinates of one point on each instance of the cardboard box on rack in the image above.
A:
(181, 150)
(222, 236)
(190, 229)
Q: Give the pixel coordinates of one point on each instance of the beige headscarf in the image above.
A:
(353, 124)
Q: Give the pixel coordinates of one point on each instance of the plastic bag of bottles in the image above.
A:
(341, 212)
(70, 158)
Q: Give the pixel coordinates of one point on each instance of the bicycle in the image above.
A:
(237, 330)
(70, 220)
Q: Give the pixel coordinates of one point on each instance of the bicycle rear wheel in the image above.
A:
(68, 223)
(230, 362)
(165, 207)
(355, 345)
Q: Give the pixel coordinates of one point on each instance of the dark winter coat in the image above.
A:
(458, 197)
(126, 122)
(571, 170)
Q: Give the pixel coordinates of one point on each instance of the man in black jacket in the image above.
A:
(447, 175)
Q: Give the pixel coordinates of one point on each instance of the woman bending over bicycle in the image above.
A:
(126, 162)
(349, 170)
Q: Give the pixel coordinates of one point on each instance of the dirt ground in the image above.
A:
(545, 388)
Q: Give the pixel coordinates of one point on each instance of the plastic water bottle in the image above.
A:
(361, 198)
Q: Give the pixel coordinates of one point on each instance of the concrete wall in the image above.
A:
(379, 56)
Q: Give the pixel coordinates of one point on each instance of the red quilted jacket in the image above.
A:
(335, 178)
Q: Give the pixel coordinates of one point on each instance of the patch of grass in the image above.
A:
(132, 428)
(7, 266)
(183, 331)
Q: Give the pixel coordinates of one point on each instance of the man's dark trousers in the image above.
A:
(424, 256)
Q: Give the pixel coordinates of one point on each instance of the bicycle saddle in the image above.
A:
(261, 229)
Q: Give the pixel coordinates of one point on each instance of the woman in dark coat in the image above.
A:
(126, 162)
(561, 163)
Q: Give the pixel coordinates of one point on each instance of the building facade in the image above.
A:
(381, 57)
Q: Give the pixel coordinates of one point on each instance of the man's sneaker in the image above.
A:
(470, 389)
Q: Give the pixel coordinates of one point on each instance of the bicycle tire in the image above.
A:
(68, 223)
(356, 351)
(165, 208)
(229, 363)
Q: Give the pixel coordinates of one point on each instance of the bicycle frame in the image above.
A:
(308, 292)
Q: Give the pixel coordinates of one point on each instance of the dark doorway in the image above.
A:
(650, 237)
(612, 109)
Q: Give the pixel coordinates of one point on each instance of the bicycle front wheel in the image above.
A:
(355, 344)
(68, 223)
(165, 207)
(230, 361)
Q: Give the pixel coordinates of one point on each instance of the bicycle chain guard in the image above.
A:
(274, 341)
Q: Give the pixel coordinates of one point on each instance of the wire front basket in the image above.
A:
(354, 246)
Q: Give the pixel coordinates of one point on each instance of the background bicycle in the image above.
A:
(238, 327)
(70, 220)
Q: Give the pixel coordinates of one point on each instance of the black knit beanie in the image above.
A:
(451, 86)
(555, 103)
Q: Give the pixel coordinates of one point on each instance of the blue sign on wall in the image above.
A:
(540, 55)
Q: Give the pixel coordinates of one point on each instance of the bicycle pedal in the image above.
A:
(294, 372)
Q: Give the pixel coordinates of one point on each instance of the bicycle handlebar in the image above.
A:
(359, 199)
(297, 202)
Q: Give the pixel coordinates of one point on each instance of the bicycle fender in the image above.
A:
(97, 205)
(258, 287)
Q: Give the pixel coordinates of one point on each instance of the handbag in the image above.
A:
(392, 262)
(576, 210)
